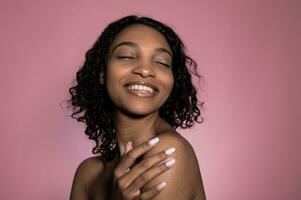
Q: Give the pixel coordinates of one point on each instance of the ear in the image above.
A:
(102, 78)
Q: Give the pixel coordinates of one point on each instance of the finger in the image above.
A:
(145, 164)
(128, 147)
(151, 174)
(149, 194)
(128, 159)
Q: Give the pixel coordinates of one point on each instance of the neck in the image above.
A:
(136, 130)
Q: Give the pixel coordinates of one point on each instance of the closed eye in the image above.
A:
(125, 57)
(164, 64)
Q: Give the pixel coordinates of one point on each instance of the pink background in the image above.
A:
(248, 51)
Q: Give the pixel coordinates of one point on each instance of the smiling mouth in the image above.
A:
(141, 90)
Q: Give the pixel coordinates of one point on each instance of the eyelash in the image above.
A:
(127, 57)
(130, 57)
(164, 64)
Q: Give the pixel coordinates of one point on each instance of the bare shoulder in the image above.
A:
(174, 139)
(184, 150)
(86, 173)
(90, 168)
(185, 175)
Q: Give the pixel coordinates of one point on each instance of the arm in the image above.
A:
(183, 180)
(130, 178)
(127, 182)
(85, 173)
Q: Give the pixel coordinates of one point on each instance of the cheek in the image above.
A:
(168, 81)
(112, 74)
(171, 83)
(110, 80)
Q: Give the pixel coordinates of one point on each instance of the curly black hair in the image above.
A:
(91, 103)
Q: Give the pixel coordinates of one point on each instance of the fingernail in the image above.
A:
(161, 186)
(169, 151)
(127, 147)
(170, 163)
(129, 144)
(153, 141)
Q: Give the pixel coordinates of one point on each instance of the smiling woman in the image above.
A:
(132, 92)
(135, 67)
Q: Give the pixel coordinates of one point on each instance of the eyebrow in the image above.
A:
(135, 45)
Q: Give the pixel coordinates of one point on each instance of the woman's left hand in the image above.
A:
(130, 182)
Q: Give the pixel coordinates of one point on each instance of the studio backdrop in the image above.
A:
(248, 53)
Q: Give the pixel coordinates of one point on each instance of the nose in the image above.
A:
(144, 70)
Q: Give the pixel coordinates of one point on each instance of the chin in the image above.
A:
(139, 111)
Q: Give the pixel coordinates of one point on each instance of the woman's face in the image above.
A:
(139, 76)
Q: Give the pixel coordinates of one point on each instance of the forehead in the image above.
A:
(142, 34)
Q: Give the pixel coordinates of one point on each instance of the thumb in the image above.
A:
(128, 147)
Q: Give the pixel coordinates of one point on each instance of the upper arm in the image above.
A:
(183, 178)
(84, 175)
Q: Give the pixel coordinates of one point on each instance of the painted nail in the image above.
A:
(170, 163)
(129, 143)
(153, 141)
(161, 186)
(169, 151)
(128, 147)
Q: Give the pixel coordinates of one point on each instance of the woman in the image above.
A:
(132, 92)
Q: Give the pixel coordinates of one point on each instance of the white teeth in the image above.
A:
(141, 87)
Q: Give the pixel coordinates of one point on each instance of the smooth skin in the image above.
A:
(140, 54)
(130, 180)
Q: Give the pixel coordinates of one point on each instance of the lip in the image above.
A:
(139, 93)
(142, 83)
